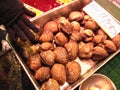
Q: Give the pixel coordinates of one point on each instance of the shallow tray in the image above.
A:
(88, 68)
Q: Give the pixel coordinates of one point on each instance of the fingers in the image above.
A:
(29, 24)
(22, 29)
(26, 30)
(29, 13)
(19, 32)
(11, 35)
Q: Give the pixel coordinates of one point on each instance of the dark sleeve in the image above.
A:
(9, 9)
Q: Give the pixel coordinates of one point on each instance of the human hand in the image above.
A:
(15, 20)
(22, 27)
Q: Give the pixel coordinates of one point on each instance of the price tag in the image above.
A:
(103, 18)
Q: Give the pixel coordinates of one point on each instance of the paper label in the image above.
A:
(103, 18)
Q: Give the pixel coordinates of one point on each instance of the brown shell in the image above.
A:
(42, 74)
(76, 26)
(46, 36)
(51, 26)
(51, 84)
(91, 24)
(58, 73)
(87, 35)
(76, 16)
(76, 36)
(116, 40)
(34, 62)
(60, 39)
(99, 53)
(86, 51)
(66, 26)
(73, 71)
(48, 57)
(47, 46)
(72, 49)
(61, 55)
(110, 46)
(99, 39)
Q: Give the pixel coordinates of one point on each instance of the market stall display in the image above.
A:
(91, 48)
(61, 52)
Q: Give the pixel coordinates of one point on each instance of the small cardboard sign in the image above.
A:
(103, 18)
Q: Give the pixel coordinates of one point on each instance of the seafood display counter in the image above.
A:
(69, 48)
